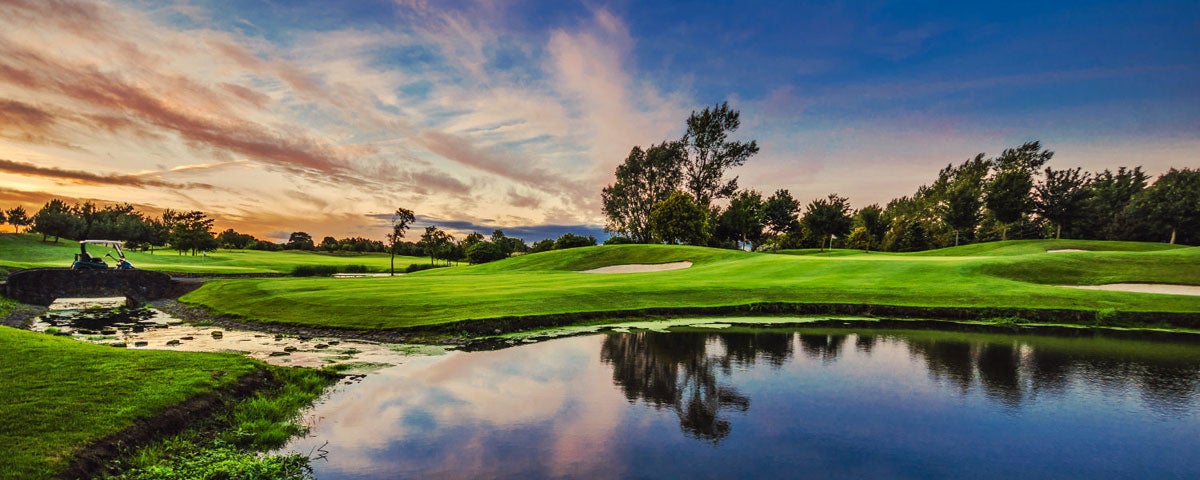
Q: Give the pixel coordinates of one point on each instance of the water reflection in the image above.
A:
(913, 404)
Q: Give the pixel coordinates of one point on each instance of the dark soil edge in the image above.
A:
(92, 459)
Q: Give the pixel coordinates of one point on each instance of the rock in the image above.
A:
(279, 354)
(278, 337)
(172, 343)
(320, 346)
(290, 348)
(187, 338)
(118, 344)
(218, 334)
(109, 331)
(141, 344)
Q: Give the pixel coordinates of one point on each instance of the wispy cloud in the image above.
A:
(89, 178)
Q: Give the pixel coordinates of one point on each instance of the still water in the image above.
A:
(773, 404)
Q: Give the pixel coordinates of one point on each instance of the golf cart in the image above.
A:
(84, 261)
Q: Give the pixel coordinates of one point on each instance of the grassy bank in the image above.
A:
(59, 396)
(1000, 275)
(28, 251)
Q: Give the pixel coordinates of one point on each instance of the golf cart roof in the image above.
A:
(103, 242)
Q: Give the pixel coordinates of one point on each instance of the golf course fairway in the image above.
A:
(1020, 275)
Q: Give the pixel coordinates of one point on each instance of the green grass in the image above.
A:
(58, 395)
(28, 251)
(998, 275)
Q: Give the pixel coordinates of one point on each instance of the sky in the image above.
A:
(325, 117)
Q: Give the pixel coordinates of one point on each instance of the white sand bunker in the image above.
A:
(1163, 288)
(641, 267)
(1064, 250)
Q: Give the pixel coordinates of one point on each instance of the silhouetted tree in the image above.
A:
(1060, 197)
(742, 222)
(1007, 195)
(401, 220)
(18, 218)
(1174, 200)
(710, 153)
(827, 217)
(870, 218)
(300, 241)
(781, 213)
(54, 219)
(644, 179)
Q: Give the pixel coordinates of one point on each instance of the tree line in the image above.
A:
(192, 231)
(669, 192)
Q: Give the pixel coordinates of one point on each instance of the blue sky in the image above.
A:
(323, 116)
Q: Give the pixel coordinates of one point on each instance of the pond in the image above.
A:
(823, 403)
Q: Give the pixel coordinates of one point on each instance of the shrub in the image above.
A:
(542, 246)
(484, 252)
(571, 240)
(314, 270)
(355, 269)
(618, 240)
(416, 267)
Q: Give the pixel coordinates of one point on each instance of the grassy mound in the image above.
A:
(28, 251)
(548, 284)
(58, 395)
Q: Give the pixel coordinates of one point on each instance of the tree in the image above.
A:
(679, 219)
(435, 242)
(17, 218)
(1008, 198)
(401, 220)
(827, 217)
(780, 212)
(859, 238)
(710, 153)
(328, 244)
(571, 240)
(1060, 197)
(1111, 193)
(232, 239)
(1007, 195)
(3, 217)
(644, 179)
(961, 205)
(87, 214)
(300, 241)
(1174, 199)
(743, 221)
(544, 245)
(484, 252)
(870, 218)
(190, 231)
(54, 219)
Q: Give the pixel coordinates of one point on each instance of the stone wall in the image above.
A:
(41, 286)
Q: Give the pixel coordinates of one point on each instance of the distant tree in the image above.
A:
(1174, 200)
(859, 238)
(1060, 197)
(508, 245)
(961, 202)
(1007, 195)
(870, 218)
(1110, 195)
(742, 222)
(54, 219)
(618, 240)
(544, 245)
(87, 214)
(679, 219)
(781, 213)
(827, 217)
(470, 240)
(234, 240)
(710, 153)
(401, 220)
(484, 252)
(643, 179)
(300, 241)
(191, 231)
(435, 242)
(17, 218)
(328, 244)
(571, 240)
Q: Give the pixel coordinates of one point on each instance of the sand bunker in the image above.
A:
(641, 267)
(1063, 250)
(1162, 288)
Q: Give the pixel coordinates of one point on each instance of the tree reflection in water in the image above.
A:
(689, 373)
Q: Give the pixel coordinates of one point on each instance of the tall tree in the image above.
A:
(742, 222)
(1007, 195)
(710, 153)
(300, 241)
(435, 243)
(401, 220)
(18, 218)
(192, 231)
(827, 217)
(870, 218)
(54, 219)
(3, 217)
(961, 205)
(1174, 199)
(1110, 194)
(1060, 197)
(679, 219)
(781, 212)
(644, 179)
